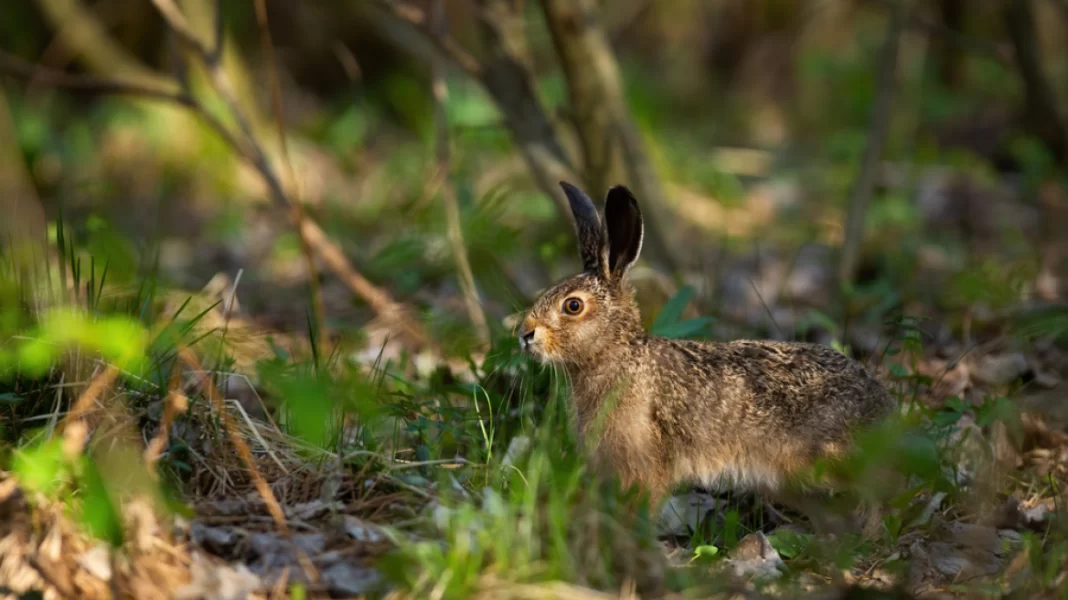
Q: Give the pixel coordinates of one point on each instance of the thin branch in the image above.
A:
(446, 44)
(298, 206)
(448, 192)
(79, 30)
(215, 55)
(191, 361)
(174, 404)
(977, 45)
(886, 89)
(180, 27)
(396, 315)
(504, 75)
(21, 69)
(74, 428)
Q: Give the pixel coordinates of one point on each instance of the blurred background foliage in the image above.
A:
(767, 126)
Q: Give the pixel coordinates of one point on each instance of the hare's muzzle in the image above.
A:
(526, 338)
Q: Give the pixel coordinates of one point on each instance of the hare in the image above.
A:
(657, 411)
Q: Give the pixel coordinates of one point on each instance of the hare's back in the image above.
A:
(803, 382)
(759, 409)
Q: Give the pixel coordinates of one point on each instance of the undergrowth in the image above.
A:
(486, 455)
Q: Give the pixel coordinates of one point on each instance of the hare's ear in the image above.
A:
(588, 225)
(623, 222)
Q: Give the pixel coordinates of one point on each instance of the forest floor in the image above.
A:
(419, 512)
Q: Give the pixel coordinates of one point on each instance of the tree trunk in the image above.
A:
(1042, 112)
(612, 149)
(886, 90)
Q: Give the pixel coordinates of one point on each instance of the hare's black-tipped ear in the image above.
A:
(588, 226)
(623, 222)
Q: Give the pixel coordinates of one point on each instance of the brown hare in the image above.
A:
(657, 411)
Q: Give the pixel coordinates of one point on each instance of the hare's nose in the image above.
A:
(526, 338)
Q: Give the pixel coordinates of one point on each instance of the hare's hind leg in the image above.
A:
(871, 519)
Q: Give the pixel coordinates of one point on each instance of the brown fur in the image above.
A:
(656, 411)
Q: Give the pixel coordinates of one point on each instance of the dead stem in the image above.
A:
(243, 451)
(175, 404)
(417, 18)
(298, 206)
(75, 429)
(879, 129)
(448, 193)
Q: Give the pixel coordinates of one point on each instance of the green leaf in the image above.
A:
(892, 523)
(993, 410)
(897, 370)
(682, 329)
(954, 403)
(705, 552)
(789, 543)
(312, 408)
(98, 512)
(732, 523)
(41, 469)
(35, 357)
(945, 418)
(671, 312)
(821, 319)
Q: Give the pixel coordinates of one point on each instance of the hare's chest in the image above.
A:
(629, 447)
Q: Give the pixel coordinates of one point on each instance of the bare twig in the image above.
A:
(218, 34)
(417, 18)
(74, 429)
(448, 193)
(180, 27)
(21, 69)
(79, 30)
(506, 78)
(947, 34)
(394, 314)
(256, 434)
(880, 126)
(506, 74)
(193, 363)
(298, 206)
(175, 404)
(1042, 108)
(379, 301)
(52, 575)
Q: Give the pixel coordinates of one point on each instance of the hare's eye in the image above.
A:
(573, 306)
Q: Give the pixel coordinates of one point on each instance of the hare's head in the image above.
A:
(577, 319)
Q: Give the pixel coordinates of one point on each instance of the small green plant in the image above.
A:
(669, 322)
(705, 553)
(788, 543)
